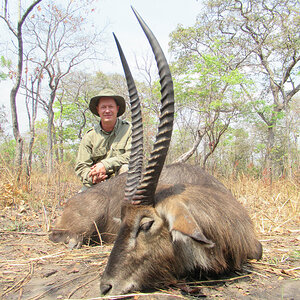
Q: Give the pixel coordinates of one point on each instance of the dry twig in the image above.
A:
(24, 233)
(99, 235)
(21, 282)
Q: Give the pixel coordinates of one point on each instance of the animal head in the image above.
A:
(149, 249)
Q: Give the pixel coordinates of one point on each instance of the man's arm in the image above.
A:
(91, 173)
(84, 161)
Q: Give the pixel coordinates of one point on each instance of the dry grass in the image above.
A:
(61, 184)
(273, 208)
(39, 188)
(41, 195)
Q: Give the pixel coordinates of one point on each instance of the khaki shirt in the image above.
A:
(111, 148)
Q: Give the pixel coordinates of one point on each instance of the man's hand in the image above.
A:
(98, 172)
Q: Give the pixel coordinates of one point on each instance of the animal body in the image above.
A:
(174, 228)
(92, 211)
(98, 210)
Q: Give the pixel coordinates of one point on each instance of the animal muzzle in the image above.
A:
(110, 287)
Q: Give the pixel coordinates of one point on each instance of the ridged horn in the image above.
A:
(146, 190)
(136, 155)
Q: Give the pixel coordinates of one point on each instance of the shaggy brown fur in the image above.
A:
(101, 205)
(96, 207)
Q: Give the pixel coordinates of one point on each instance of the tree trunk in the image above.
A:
(15, 125)
(55, 145)
(32, 114)
(185, 156)
(61, 146)
(50, 141)
(29, 158)
(14, 91)
(269, 158)
(13, 96)
(288, 164)
(60, 134)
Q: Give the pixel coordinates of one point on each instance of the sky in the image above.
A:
(162, 16)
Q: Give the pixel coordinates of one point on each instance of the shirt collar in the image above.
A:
(113, 131)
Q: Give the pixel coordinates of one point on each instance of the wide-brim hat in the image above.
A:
(108, 93)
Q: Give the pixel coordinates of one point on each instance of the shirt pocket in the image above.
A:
(99, 153)
(118, 149)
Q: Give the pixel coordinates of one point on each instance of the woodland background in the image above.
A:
(236, 78)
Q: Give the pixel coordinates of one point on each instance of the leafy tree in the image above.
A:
(71, 115)
(257, 38)
(7, 151)
(208, 99)
(236, 152)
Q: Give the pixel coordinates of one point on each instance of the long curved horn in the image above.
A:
(136, 155)
(146, 190)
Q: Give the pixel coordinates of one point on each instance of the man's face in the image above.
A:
(107, 109)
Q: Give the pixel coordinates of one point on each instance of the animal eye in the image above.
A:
(146, 225)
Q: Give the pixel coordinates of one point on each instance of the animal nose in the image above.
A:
(105, 288)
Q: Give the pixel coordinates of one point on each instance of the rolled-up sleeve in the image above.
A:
(84, 161)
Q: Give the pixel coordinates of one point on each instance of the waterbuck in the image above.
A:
(174, 229)
(97, 211)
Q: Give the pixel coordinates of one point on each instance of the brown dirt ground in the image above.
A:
(32, 267)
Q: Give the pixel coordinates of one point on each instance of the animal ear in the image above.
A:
(182, 221)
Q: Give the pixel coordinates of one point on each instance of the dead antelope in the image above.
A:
(97, 211)
(176, 229)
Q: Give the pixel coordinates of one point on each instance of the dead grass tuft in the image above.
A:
(11, 193)
(273, 208)
(39, 188)
(40, 196)
(61, 184)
